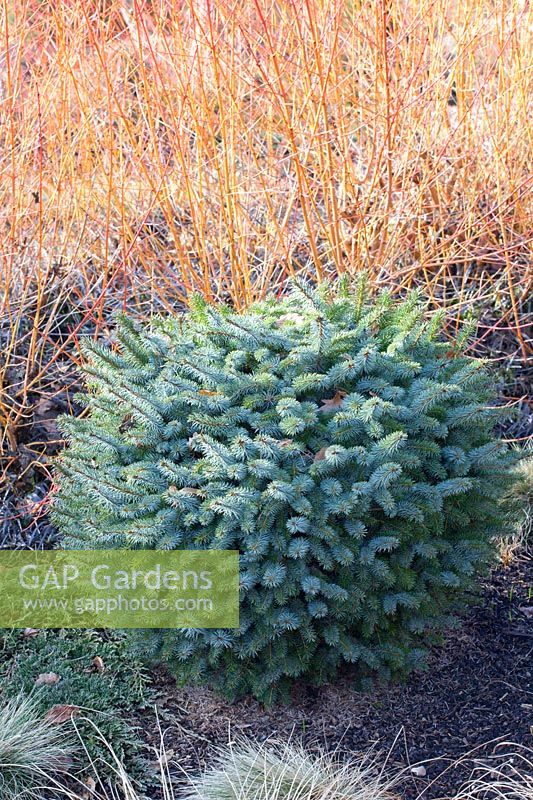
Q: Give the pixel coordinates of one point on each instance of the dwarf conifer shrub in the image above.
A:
(343, 446)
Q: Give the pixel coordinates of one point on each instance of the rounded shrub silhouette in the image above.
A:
(341, 445)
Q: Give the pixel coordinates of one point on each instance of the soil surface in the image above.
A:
(474, 702)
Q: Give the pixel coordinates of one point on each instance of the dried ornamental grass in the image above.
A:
(32, 748)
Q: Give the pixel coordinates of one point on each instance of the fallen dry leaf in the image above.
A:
(98, 664)
(42, 406)
(321, 454)
(61, 713)
(47, 679)
(30, 632)
(527, 611)
(333, 403)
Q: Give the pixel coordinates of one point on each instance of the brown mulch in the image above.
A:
(477, 695)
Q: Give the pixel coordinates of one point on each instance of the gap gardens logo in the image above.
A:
(119, 589)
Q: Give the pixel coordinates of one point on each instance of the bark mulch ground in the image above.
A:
(477, 695)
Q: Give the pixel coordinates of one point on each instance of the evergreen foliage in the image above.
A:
(341, 445)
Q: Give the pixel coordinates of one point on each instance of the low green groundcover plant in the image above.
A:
(85, 676)
(343, 446)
